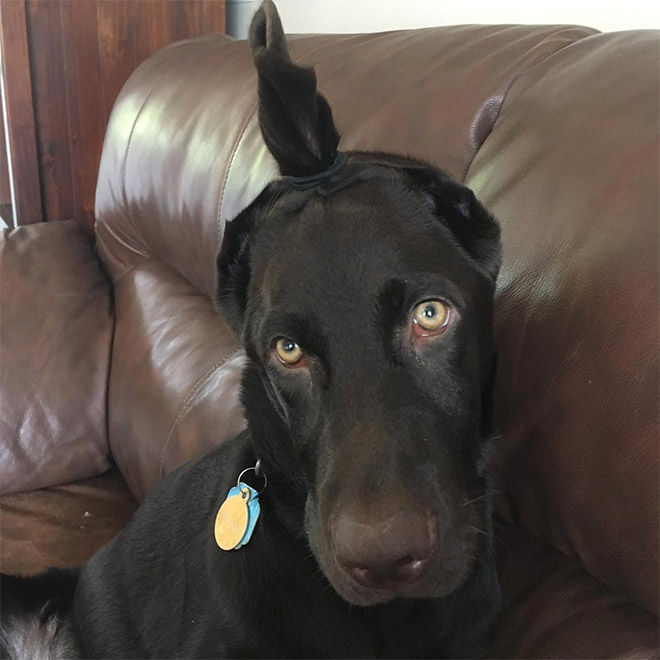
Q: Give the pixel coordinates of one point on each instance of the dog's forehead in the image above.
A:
(353, 240)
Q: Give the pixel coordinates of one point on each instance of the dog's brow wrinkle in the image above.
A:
(388, 314)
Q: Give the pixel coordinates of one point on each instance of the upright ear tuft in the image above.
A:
(266, 31)
(296, 121)
(475, 229)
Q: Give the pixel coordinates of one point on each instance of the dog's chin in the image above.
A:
(442, 577)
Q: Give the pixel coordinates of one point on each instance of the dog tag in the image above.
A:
(254, 509)
(232, 520)
(237, 517)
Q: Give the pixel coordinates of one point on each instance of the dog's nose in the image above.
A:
(388, 553)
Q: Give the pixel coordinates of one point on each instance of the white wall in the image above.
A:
(313, 16)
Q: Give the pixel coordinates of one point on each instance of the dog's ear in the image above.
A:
(233, 265)
(472, 225)
(296, 121)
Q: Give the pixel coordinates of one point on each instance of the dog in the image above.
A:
(362, 286)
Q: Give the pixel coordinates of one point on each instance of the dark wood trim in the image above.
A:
(17, 100)
(66, 63)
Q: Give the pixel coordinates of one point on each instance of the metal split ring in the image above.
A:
(258, 472)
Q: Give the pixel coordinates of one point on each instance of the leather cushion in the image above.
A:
(55, 334)
(554, 609)
(63, 525)
(571, 169)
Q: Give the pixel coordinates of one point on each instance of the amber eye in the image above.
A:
(288, 352)
(430, 316)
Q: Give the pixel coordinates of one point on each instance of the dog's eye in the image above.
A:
(430, 318)
(288, 352)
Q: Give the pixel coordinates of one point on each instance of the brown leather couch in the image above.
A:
(554, 127)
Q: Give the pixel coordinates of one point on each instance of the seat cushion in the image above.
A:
(553, 608)
(64, 525)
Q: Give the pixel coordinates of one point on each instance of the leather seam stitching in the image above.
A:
(124, 163)
(156, 85)
(230, 162)
(187, 403)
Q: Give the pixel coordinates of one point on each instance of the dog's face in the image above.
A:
(365, 307)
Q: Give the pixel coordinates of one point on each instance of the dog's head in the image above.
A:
(365, 306)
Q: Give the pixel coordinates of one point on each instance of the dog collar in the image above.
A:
(306, 182)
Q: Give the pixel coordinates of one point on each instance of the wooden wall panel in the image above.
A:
(50, 109)
(18, 103)
(117, 48)
(85, 96)
(213, 17)
(81, 52)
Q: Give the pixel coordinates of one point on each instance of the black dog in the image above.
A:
(362, 285)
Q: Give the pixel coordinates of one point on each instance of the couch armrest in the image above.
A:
(55, 336)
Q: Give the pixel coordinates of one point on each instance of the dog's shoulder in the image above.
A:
(137, 585)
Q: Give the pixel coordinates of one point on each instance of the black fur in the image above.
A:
(379, 428)
(296, 121)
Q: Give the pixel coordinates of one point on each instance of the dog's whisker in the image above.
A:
(475, 499)
(477, 530)
(490, 493)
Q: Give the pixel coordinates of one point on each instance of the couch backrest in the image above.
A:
(554, 127)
